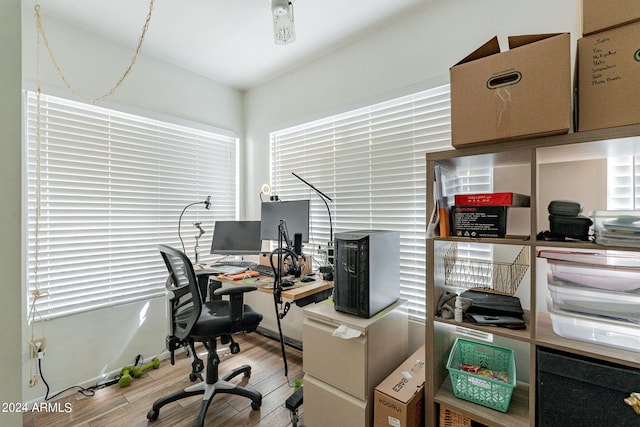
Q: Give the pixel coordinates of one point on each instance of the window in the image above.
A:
(371, 162)
(112, 186)
(623, 182)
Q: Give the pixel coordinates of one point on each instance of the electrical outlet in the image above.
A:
(37, 347)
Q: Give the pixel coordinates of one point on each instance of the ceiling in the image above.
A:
(230, 41)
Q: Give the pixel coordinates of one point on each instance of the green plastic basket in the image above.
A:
(484, 391)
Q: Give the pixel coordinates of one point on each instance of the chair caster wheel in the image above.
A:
(247, 373)
(193, 377)
(235, 348)
(153, 415)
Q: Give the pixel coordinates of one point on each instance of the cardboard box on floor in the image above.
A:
(608, 78)
(399, 399)
(599, 15)
(519, 93)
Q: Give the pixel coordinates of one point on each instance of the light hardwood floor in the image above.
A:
(127, 407)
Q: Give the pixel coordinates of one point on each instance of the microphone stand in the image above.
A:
(207, 206)
(277, 287)
(196, 249)
(328, 273)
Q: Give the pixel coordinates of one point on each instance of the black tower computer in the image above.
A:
(367, 271)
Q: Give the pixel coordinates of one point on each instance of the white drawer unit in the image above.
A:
(348, 370)
(325, 405)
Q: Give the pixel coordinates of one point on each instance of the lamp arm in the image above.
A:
(330, 220)
(324, 198)
(320, 193)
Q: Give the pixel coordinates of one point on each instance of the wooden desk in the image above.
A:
(302, 293)
(299, 291)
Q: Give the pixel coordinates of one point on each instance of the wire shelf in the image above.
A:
(497, 276)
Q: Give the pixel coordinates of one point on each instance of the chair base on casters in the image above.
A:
(210, 388)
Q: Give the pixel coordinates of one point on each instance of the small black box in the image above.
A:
(572, 390)
(479, 221)
(576, 227)
(565, 208)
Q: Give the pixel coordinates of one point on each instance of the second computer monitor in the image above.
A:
(295, 213)
(236, 238)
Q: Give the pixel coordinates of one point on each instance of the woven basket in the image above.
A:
(451, 418)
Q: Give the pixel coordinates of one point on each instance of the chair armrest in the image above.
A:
(236, 301)
(213, 285)
(234, 290)
(177, 292)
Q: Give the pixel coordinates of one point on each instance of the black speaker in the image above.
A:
(297, 243)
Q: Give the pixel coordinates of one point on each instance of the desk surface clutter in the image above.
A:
(297, 291)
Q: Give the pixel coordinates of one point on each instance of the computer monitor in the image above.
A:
(236, 238)
(296, 216)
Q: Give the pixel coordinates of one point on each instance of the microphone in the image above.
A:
(207, 203)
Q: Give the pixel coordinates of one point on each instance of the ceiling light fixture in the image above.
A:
(284, 31)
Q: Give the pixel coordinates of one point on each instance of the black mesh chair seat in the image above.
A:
(214, 318)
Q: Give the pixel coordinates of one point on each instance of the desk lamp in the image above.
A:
(327, 270)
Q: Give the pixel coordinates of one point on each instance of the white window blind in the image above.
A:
(623, 182)
(371, 162)
(112, 186)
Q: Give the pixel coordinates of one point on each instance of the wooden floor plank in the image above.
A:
(128, 407)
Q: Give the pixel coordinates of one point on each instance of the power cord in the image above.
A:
(89, 392)
(34, 316)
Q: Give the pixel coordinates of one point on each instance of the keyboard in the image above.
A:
(264, 270)
(235, 263)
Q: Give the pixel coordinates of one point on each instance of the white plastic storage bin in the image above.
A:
(617, 228)
(606, 270)
(595, 330)
(619, 305)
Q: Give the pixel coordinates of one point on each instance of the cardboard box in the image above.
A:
(520, 93)
(479, 221)
(608, 83)
(399, 399)
(600, 15)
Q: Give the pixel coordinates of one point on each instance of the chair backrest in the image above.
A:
(185, 300)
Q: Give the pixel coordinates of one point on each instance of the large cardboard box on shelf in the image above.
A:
(399, 399)
(599, 15)
(608, 83)
(520, 93)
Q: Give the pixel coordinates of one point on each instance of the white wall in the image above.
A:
(83, 347)
(10, 197)
(409, 55)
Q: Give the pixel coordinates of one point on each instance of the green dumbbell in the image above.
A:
(139, 370)
(125, 376)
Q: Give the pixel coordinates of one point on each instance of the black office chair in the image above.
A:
(195, 321)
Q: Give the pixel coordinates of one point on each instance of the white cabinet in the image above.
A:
(341, 374)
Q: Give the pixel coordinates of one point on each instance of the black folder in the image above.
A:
(493, 305)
